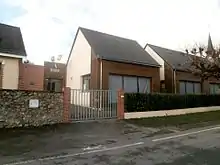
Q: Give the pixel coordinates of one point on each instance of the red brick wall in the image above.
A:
(66, 105)
(1, 75)
(31, 77)
(95, 72)
(169, 82)
(184, 76)
(110, 67)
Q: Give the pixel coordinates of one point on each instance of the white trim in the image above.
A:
(11, 55)
(174, 112)
(157, 58)
(31, 161)
(185, 134)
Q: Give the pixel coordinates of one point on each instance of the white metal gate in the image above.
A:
(93, 104)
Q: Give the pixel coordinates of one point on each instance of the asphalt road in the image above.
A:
(122, 144)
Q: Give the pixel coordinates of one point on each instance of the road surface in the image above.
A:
(114, 144)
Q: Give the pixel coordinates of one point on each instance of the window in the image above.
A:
(197, 88)
(85, 82)
(115, 82)
(54, 85)
(54, 70)
(130, 84)
(214, 88)
(143, 85)
(187, 87)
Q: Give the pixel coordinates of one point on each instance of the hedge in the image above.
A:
(138, 102)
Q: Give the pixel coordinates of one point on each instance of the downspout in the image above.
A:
(100, 84)
(100, 81)
(174, 79)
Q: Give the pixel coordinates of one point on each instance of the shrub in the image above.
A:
(138, 102)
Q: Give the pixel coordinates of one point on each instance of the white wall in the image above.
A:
(10, 72)
(79, 63)
(158, 59)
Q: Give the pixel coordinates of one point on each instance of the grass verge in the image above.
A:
(181, 121)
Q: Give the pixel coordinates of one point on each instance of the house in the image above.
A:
(174, 75)
(102, 61)
(54, 76)
(12, 51)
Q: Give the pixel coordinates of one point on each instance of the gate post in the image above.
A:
(66, 105)
(120, 104)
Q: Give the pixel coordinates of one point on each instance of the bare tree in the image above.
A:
(204, 61)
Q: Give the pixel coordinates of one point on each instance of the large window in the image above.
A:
(85, 82)
(214, 88)
(144, 85)
(187, 87)
(130, 84)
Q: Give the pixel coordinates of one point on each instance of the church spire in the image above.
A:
(210, 47)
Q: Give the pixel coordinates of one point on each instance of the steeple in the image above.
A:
(210, 47)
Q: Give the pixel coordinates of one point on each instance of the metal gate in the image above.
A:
(93, 104)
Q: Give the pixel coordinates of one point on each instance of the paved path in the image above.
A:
(113, 143)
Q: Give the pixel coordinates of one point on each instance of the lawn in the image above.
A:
(181, 121)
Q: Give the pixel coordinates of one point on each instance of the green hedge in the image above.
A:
(138, 102)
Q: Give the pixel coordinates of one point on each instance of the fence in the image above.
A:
(137, 102)
(19, 108)
(93, 104)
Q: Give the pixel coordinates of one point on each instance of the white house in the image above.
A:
(12, 51)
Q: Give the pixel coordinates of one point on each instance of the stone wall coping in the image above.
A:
(16, 90)
(174, 112)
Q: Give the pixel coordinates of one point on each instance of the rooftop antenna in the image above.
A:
(52, 59)
(59, 57)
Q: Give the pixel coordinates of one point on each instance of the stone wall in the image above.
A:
(16, 112)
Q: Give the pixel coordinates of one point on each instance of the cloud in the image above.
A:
(49, 26)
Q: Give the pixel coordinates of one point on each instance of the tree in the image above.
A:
(204, 61)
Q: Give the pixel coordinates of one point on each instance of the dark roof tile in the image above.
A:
(119, 49)
(11, 40)
(177, 59)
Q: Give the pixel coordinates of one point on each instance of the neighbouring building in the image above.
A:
(54, 76)
(12, 50)
(31, 77)
(50, 77)
(102, 61)
(174, 75)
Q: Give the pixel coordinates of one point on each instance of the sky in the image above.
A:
(49, 26)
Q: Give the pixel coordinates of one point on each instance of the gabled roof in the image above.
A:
(113, 48)
(177, 59)
(11, 40)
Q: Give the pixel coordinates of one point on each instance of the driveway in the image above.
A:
(109, 143)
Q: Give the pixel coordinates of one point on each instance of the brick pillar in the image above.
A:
(21, 78)
(1, 75)
(66, 105)
(120, 104)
